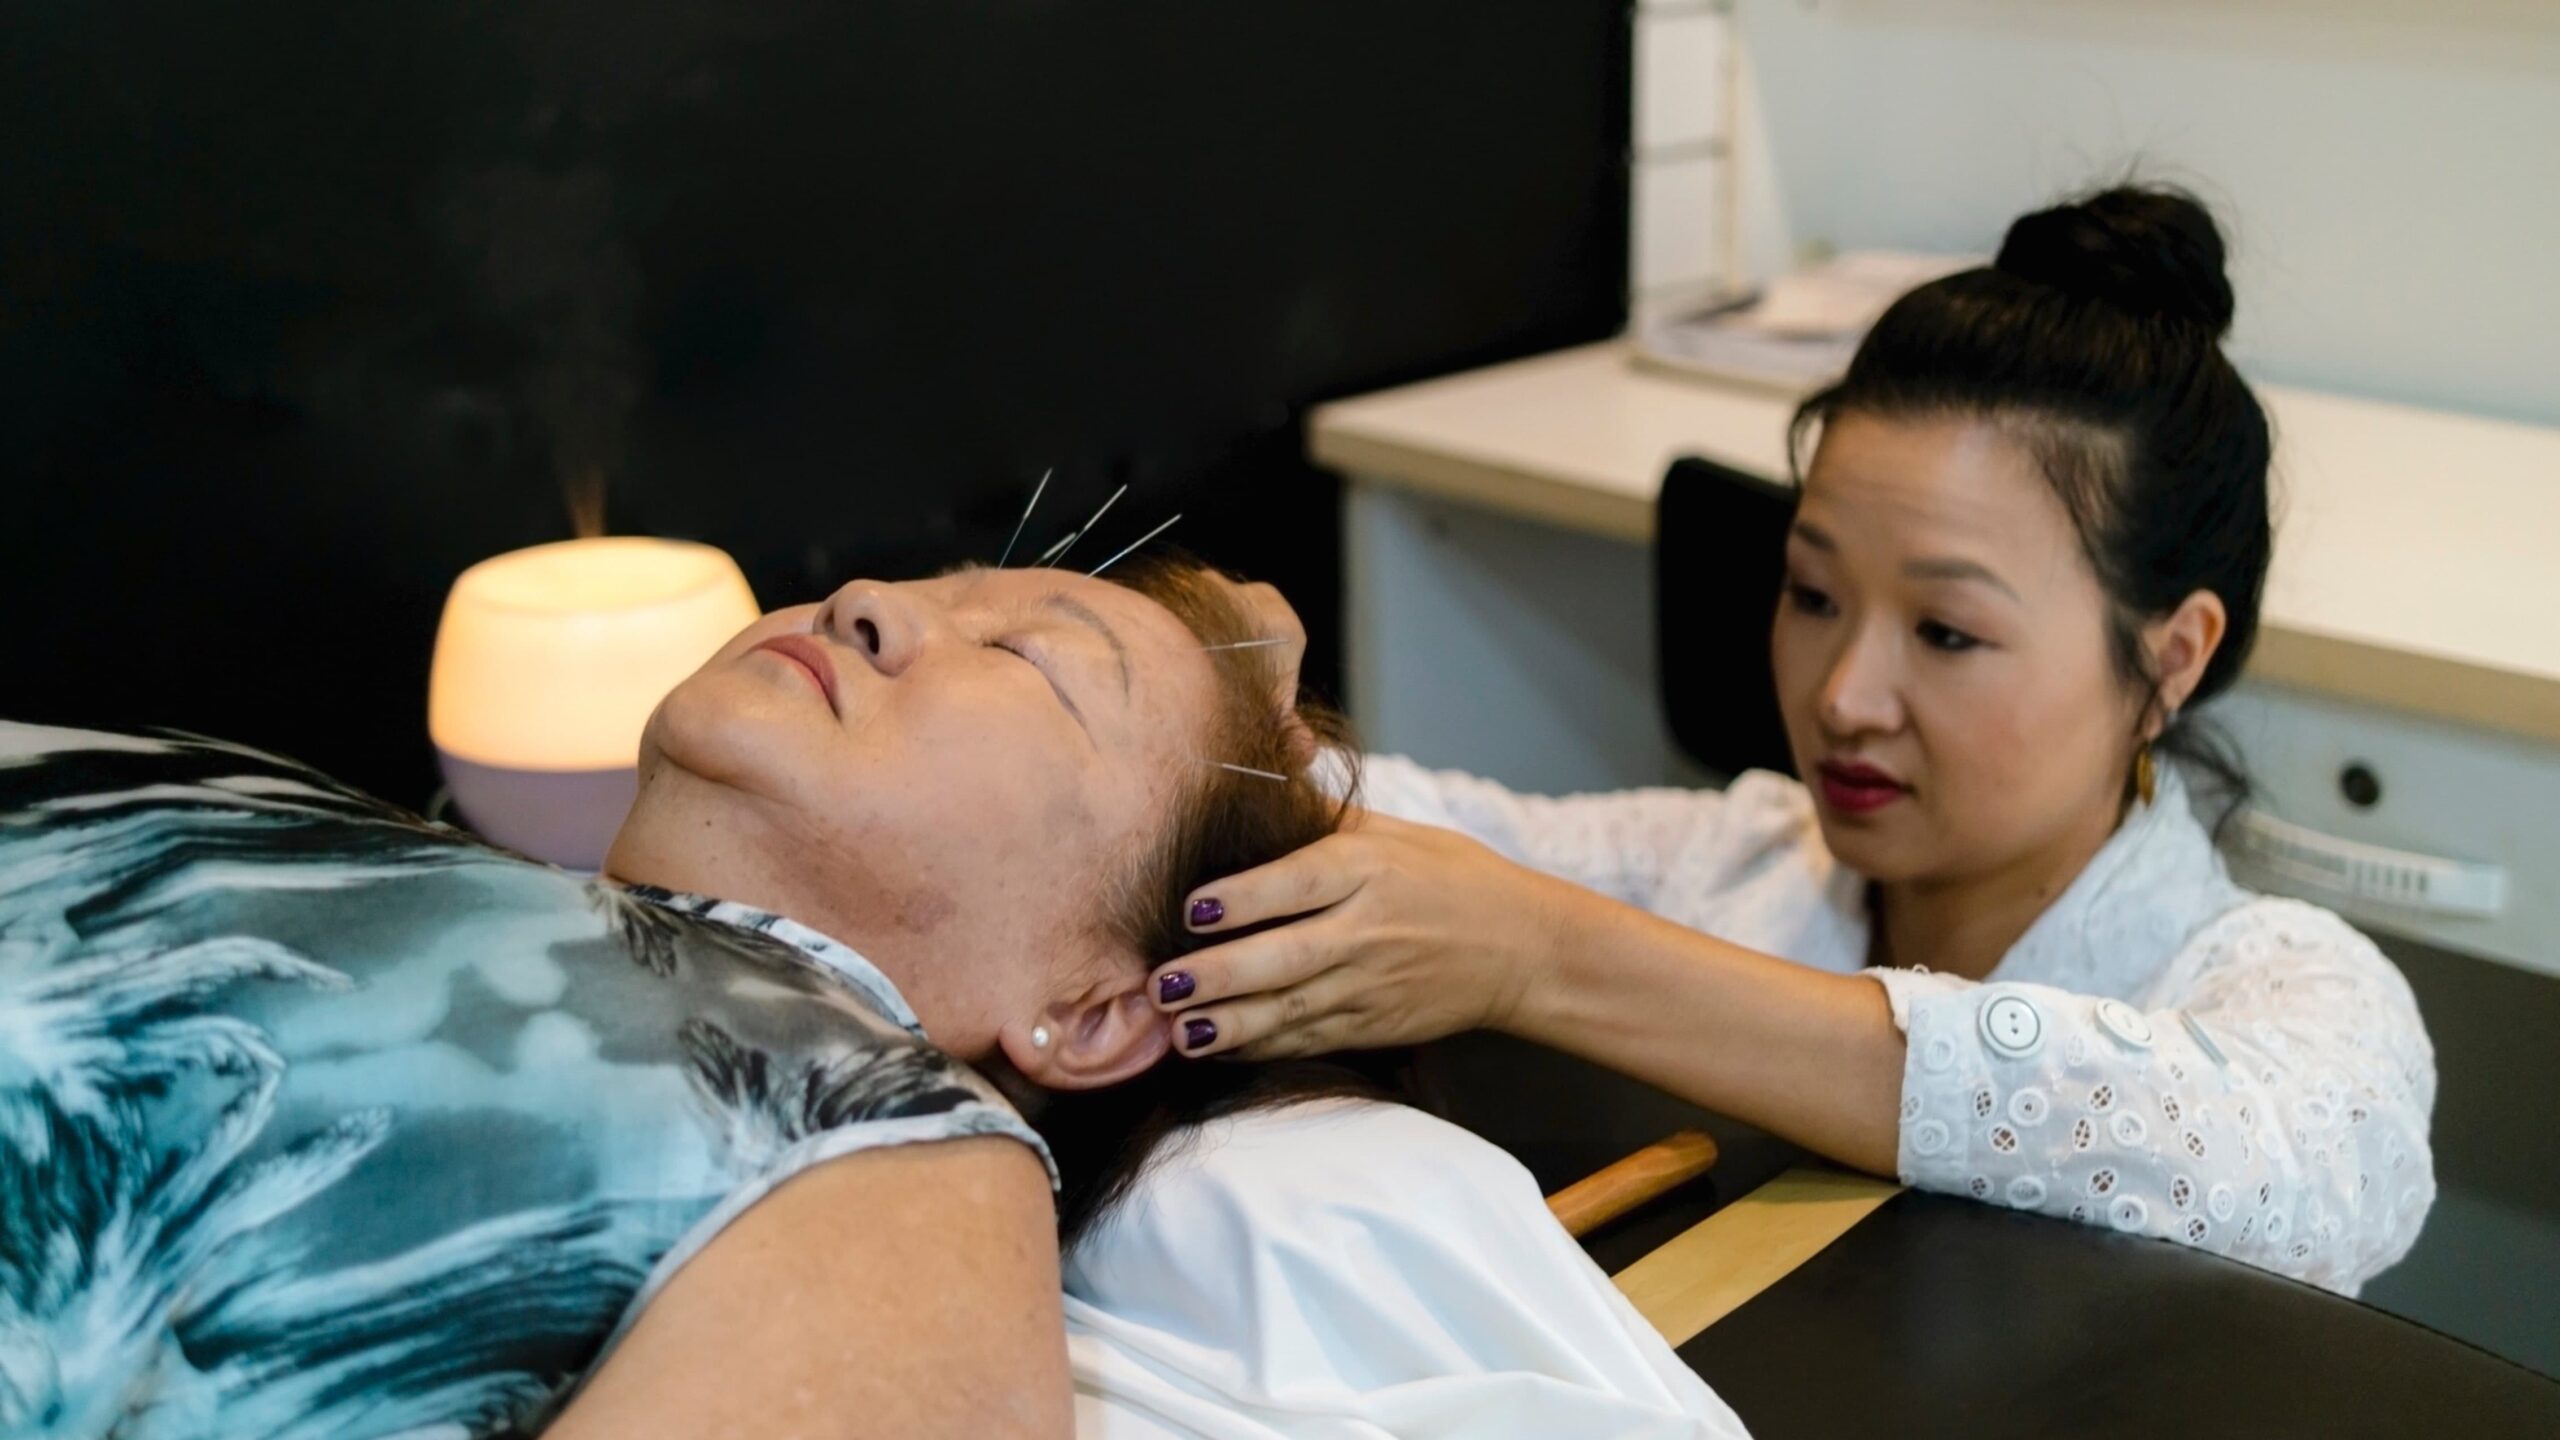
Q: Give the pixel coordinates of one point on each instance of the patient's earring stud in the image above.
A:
(1039, 1037)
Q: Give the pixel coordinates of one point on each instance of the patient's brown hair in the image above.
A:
(1223, 821)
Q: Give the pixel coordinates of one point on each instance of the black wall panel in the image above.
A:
(305, 305)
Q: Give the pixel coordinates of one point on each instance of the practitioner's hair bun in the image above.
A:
(2148, 252)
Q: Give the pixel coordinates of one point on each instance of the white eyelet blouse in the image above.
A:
(2162, 1052)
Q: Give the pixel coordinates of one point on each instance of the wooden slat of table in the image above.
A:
(1746, 1247)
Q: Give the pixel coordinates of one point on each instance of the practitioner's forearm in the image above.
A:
(1812, 1057)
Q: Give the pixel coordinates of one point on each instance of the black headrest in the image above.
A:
(1719, 558)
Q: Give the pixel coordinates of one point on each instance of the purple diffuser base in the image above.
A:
(566, 817)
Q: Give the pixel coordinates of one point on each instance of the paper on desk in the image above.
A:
(1844, 297)
(1802, 330)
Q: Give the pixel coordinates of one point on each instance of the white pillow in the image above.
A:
(1353, 1270)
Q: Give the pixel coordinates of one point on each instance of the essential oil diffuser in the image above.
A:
(547, 664)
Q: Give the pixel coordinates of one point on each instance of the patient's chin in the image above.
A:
(720, 730)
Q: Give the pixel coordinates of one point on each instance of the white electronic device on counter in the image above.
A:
(2373, 877)
(2442, 833)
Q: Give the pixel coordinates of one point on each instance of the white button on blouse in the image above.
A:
(2125, 1023)
(2012, 1026)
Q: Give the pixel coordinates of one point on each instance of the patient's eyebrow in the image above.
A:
(1082, 614)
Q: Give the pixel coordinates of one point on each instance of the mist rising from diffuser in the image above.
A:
(584, 492)
(554, 273)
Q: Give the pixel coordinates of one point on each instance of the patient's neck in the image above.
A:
(937, 952)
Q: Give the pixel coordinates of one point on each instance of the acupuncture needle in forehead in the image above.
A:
(1059, 551)
(1249, 644)
(1132, 545)
(1026, 516)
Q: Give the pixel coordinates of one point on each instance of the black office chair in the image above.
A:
(1719, 557)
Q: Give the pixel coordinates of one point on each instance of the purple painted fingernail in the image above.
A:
(1199, 1034)
(1207, 912)
(1175, 985)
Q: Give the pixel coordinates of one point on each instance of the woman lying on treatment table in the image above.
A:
(317, 1121)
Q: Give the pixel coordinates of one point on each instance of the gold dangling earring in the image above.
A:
(2146, 774)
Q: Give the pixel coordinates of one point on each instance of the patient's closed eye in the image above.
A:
(1033, 659)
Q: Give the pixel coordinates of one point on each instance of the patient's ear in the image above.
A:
(1099, 1036)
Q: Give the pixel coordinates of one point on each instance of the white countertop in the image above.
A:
(2417, 553)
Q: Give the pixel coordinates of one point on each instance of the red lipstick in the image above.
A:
(808, 654)
(1853, 788)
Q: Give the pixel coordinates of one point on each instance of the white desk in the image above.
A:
(2412, 618)
(2417, 554)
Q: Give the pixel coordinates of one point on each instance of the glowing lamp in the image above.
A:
(548, 662)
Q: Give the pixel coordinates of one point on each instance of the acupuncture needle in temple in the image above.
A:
(1132, 545)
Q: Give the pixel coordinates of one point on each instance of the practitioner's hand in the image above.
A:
(1405, 933)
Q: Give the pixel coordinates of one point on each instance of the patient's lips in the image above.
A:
(1853, 787)
(807, 654)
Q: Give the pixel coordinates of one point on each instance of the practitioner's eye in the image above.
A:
(1810, 601)
(1947, 638)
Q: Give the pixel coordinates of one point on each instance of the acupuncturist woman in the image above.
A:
(1990, 949)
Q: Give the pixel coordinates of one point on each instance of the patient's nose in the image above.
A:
(884, 626)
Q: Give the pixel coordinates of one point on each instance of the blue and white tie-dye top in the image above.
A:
(319, 1122)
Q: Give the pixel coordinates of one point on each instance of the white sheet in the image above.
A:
(1353, 1271)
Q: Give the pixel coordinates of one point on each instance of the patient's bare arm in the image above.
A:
(910, 1291)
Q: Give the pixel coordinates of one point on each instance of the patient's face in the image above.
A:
(949, 770)
(1943, 626)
